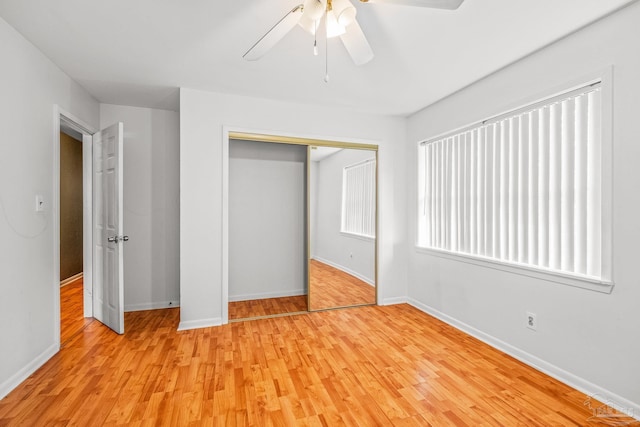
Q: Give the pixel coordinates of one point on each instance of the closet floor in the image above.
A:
(267, 307)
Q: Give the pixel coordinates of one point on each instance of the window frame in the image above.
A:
(604, 284)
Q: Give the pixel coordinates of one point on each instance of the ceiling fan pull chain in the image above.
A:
(315, 37)
(326, 46)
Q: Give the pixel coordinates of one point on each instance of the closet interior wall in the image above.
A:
(267, 220)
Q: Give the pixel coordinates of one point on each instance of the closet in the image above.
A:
(302, 223)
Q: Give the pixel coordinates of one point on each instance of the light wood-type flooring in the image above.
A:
(365, 366)
(330, 288)
(72, 310)
(267, 307)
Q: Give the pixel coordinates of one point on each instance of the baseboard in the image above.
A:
(71, 279)
(264, 295)
(346, 270)
(24, 373)
(197, 324)
(612, 400)
(394, 301)
(151, 305)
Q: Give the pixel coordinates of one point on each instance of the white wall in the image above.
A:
(587, 338)
(151, 205)
(267, 220)
(354, 255)
(202, 117)
(30, 85)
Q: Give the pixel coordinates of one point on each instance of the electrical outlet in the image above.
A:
(532, 321)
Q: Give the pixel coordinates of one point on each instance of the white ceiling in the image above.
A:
(137, 52)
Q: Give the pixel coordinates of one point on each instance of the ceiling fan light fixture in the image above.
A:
(314, 9)
(345, 12)
(334, 29)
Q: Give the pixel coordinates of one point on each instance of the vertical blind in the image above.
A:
(524, 188)
(359, 199)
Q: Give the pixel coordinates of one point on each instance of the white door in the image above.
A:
(108, 238)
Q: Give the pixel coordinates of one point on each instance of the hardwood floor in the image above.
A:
(267, 307)
(362, 366)
(72, 320)
(331, 287)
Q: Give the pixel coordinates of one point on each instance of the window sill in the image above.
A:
(358, 236)
(538, 273)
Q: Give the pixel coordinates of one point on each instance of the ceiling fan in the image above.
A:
(339, 18)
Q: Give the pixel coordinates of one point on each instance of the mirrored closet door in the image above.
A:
(342, 227)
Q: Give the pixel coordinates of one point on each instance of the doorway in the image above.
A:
(72, 316)
(102, 225)
(78, 298)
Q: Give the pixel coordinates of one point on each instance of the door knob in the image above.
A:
(116, 239)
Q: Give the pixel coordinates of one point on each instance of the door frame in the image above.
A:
(87, 132)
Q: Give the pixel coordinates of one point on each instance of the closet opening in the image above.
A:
(267, 229)
(299, 226)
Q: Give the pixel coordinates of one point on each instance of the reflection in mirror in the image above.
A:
(342, 227)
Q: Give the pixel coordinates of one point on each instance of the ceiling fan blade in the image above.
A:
(356, 44)
(275, 34)
(436, 4)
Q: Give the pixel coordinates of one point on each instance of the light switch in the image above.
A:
(39, 203)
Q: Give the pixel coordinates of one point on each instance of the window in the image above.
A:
(359, 199)
(523, 189)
